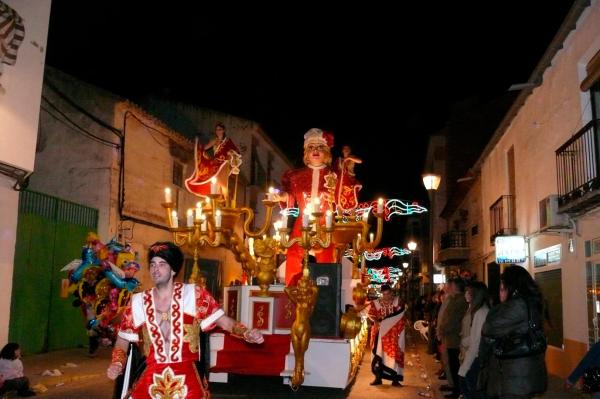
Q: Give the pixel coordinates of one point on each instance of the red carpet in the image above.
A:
(239, 357)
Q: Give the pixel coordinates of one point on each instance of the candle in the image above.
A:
(190, 217)
(305, 217)
(213, 186)
(277, 226)
(328, 219)
(380, 205)
(168, 197)
(208, 202)
(199, 211)
(174, 220)
(284, 222)
(358, 238)
(271, 194)
(365, 216)
(218, 219)
(371, 236)
(316, 205)
(251, 246)
(203, 226)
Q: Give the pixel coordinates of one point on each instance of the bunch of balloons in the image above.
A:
(102, 282)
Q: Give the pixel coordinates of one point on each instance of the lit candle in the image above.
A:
(277, 226)
(380, 205)
(174, 220)
(305, 217)
(251, 246)
(199, 211)
(284, 220)
(203, 226)
(328, 219)
(190, 217)
(271, 194)
(218, 219)
(168, 197)
(213, 186)
(208, 202)
(316, 205)
(358, 238)
(365, 216)
(371, 236)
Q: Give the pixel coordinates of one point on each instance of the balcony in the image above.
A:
(502, 217)
(578, 170)
(453, 248)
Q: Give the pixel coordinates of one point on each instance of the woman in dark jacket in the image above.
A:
(521, 377)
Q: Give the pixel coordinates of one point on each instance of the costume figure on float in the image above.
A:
(346, 191)
(387, 337)
(314, 186)
(207, 167)
(173, 315)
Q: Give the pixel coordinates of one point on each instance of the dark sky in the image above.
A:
(382, 78)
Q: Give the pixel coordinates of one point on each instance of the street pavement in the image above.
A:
(87, 380)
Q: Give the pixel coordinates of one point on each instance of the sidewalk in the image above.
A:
(80, 376)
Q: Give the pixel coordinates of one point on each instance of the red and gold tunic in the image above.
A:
(303, 186)
(347, 188)
(170, 371)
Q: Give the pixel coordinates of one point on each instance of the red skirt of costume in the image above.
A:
(171, 373)
(207, 168)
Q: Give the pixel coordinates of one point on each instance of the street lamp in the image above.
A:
(431, 182)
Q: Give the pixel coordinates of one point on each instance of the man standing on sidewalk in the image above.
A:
(449, 330)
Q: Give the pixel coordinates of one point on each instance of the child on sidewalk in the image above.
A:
(11, 371)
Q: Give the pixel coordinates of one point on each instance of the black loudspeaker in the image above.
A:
(325, 320)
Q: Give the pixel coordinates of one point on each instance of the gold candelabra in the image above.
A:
(212, 225)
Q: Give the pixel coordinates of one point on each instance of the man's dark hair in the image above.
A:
(385, 287)
(459, 283)
(169, 252)
(8, 352)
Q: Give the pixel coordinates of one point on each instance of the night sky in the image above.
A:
(381, 78)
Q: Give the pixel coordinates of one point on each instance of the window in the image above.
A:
(595, 99)
(177, 174)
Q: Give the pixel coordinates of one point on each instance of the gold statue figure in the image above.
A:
(265, 250)
(304, 296)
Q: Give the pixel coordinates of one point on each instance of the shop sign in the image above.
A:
(510, 249)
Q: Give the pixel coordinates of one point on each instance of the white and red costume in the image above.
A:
(388, 339)
(170, 370)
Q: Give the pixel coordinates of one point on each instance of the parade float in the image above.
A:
(329, 221)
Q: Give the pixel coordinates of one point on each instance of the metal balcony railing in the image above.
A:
(454, 239)
(577, 164)
(502, 217)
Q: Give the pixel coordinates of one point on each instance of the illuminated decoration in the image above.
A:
(388, 252)
(439, 278)
(385, 275)
(392, 207)
(510, 249)
(294, 212)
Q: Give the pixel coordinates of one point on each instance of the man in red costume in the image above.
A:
(172, 314)
(307, 186)
(224, 151)
(387, 337)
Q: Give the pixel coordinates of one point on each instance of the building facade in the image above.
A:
(538, 179)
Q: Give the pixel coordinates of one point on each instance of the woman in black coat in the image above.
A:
(521, 377)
